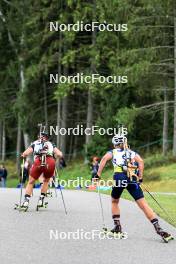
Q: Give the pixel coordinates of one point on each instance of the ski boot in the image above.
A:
(165, 236)
(41, 203)
(116, 232)
(24, 207)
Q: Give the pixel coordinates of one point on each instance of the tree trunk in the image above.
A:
(58, 122)
(3, 142)
(26, 140)
(19, 132)
(75, 147)
(64, 111)
(165, 123)
(174, 136)
(0, 140)
(64, 124)
(75, 143)
(89, 115)
(18, 147)
(89, 121)
(71, 138)
(59, 100)
(45, 104)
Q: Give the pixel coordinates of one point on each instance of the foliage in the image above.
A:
(144, 53)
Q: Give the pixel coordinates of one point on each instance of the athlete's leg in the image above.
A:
(35, 172)
(45, 185)
(116, 215)
(137, 193)
(41, 178)
(43, 194)
(143, 205)
(48, 173)
(29, 186)
(115, 206)
(116, 193)
(28, 193)
(115, 198)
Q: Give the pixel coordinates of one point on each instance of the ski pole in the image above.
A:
(21, 183)
(54, 186)
(160, 206)
(101, 206)
(61, 191)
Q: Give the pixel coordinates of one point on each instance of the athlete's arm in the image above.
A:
(27, 152)
(106, 157)
(58, 153)
(140, 162)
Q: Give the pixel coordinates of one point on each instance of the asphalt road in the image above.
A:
(25, 237)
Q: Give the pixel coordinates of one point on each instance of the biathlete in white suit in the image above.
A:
(120, 158)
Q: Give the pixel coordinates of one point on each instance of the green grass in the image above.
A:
(165, 172)
(162, 186)
(158, 159)
(168, 202)
(11, 183)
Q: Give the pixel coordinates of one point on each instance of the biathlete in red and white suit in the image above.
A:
(44, 152)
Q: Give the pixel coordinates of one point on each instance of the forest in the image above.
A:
(30, 52)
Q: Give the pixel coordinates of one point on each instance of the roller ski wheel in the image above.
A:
(21, 208)
(44, 205)
(115, 234)
(16, 206)
(166, 237)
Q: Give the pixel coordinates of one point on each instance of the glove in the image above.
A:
(140, 181)
(96, 178)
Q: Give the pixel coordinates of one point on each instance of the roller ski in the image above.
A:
(24, 207)
(116, 232)
(164, 235)
(41, 203)
(167, 237)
